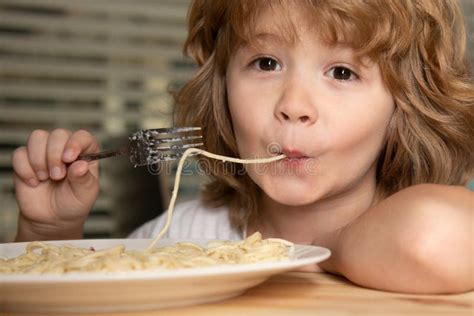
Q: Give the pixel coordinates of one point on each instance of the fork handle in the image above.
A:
(103, 154)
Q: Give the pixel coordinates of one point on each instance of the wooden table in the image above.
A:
(300, 293)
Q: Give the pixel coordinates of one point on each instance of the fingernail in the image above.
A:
(33, 182)
(56, 172)
(68, 153)
(42, 175)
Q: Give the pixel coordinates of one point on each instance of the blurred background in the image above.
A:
(101, 65)
(105, 66)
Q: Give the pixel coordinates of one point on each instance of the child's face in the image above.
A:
(317, 104)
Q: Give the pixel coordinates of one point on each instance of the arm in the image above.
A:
(419, 240)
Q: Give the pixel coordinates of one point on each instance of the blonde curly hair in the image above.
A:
(420, 47)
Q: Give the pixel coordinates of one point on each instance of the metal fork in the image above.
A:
(147, 147)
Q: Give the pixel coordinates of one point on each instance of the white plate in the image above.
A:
(137, 290)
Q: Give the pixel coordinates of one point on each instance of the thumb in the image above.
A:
(83, 180)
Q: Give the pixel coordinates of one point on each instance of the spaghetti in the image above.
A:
(48, 258)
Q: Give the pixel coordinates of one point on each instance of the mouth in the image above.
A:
(292, 154)
(294, 158)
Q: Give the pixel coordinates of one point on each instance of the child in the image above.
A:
(371, 101)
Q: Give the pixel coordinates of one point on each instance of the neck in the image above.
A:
(313, 223)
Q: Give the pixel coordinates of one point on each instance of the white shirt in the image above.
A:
(192, 220)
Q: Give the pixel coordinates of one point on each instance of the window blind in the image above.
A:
(101, 65)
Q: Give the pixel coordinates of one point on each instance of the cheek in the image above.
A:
(237, 100)
(239, 111)
(249, 115)
(364, 134)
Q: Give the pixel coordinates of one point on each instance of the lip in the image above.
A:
(293, 154)
(295, 159)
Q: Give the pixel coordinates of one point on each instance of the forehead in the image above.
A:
(349, 23)
(281, 21)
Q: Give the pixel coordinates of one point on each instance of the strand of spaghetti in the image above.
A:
(174, 195)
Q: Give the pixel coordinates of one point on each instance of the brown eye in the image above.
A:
(343, 73)
(267, 64)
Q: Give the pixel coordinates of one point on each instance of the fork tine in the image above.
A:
(179, 146)
(173, 130)
(163, 131)
(174, 139)
(169, 157)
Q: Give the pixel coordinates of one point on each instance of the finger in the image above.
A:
(36, 150)
(84, 184)
(80, 142)
(54, 153)
(22, 167)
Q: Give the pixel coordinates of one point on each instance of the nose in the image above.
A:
(296, 104)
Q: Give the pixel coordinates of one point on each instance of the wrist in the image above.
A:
(29, 231)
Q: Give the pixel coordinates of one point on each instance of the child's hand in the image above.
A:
(53, 195)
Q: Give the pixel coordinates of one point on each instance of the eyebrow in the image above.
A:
(263, 39)
(273, 36)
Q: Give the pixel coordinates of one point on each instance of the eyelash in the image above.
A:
(255, 63)
(352, 74)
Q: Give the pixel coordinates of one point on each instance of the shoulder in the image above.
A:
(432, 198)
(422, 234)
(430, 214)
(191, 220)
(437, 221)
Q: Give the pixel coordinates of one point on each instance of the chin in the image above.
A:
(291, 196)
(293, 191)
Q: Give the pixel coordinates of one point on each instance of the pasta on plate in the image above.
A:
(47, 258)
(43, 257)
